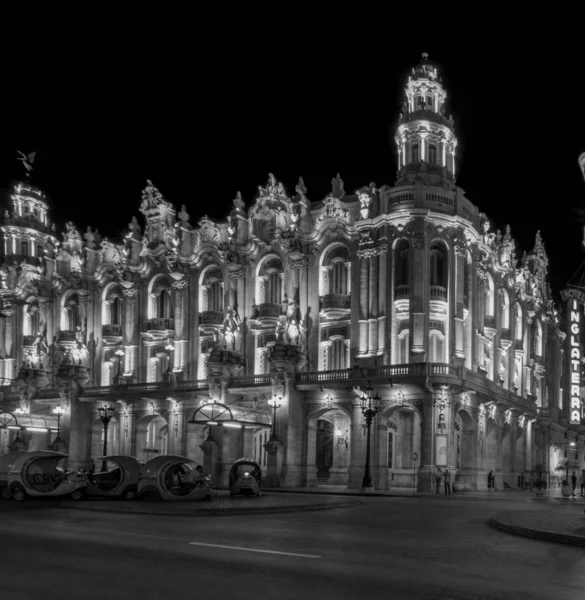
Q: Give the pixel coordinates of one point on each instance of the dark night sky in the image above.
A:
(204, 115)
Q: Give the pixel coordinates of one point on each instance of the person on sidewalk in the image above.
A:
(573, 483)
(438, 477)
(447, 477)
(582, 482)
(491, 481)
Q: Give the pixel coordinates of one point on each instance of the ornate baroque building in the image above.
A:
(190, 331)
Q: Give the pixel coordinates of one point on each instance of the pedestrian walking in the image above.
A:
(491, 481)
(447, 478)
(582, 482)
(573, 482)
(438, 477)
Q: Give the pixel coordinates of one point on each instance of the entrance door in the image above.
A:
(324, 448)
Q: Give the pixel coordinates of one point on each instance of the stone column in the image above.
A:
(130, 331)
(294, 429)
(380, 455)
(458, 353)
(358, 448)
(373, 307)
(77, 425)
(364, 304)
(418, 298)
(211, 457)
(382, 300)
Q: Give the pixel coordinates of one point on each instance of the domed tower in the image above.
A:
(425, 137)
(27, 231)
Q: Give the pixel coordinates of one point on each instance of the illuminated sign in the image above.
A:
(569, 294)
(575, 334)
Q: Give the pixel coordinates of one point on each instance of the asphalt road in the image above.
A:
(386, 548)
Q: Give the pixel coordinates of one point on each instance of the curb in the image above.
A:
(208, 513)
(538, 534)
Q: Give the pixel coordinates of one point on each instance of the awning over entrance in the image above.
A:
(215, 413)
(31, 422)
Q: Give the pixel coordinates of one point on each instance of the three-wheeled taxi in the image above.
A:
(39, 474)
(170, 477)
(245, 478)
(119, 482)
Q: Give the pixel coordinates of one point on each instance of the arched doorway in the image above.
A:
(491, 446)
(398, 445)
(507, 456)
(151, 437)
(328, 447)
(520, 458)
(324, 449)
(466, 455)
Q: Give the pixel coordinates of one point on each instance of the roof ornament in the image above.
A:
(27, 161)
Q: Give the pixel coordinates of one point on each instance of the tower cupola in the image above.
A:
(425, 138)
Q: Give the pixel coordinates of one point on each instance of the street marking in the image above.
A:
(254, 550)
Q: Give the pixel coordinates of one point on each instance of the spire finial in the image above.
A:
(425, 55)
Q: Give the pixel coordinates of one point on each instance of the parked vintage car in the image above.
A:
(39, 474)
(170, 477)
(119, 482)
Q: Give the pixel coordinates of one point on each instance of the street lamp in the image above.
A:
(275, 404)
(58, 411)
(370, 405)
(106, 414)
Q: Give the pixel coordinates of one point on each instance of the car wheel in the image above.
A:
(129, 494)
(18, 494)
(76, 495)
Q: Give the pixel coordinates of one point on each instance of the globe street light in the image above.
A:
(106, 413)
(59, 411)
(370, 405)
(275, 404)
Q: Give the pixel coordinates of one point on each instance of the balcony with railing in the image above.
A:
(401, 292)
(506, 334)
(211, 318)
(489, 321)
(266, 313)
(159, 328)
(335, 304)
(112, 333)
(438, 292)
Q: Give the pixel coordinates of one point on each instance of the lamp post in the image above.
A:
(275, 404)
(106, 414)
(370, 401)
(58, 410)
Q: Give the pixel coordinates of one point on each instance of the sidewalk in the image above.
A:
(221, 504)
(562, 524)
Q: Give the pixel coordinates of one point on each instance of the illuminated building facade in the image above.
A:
(192, 331)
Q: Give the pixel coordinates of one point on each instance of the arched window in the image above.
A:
(414, 153)
(518, 328)
(436, 354)
(73, 313)
(162, 307)
(212, 291)
(537, 338)
(335, 271)
(490, 297)
(402, 263)
(430, 103)
(270, 281)
(419, 102)
(116, 311)
(337, 352)
(432, 154)
(438, 271)
(505, 305)
(24, 248)
(466, 280)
